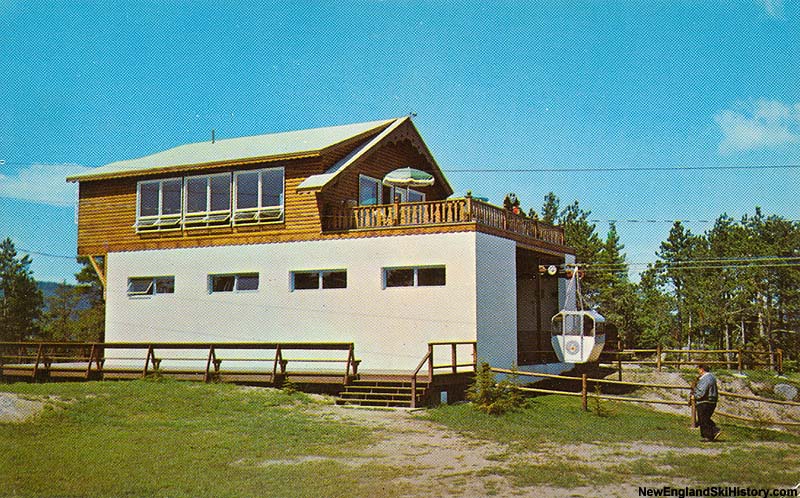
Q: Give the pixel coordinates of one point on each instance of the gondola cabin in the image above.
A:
(578, 336)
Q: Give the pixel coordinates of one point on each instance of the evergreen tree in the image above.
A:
(20, 299)
(550, 208)
(616, 296)
(60, 319)
(91, 321)
(580, 234)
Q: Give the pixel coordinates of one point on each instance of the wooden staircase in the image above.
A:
(383, 393)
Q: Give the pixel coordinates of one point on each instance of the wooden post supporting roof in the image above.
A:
(101, 274)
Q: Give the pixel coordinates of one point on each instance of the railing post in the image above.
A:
(430, 362)
(658, 357)
(414, 391)
(396, 220)
(212, 356)
(475, 356)
(584, 393)
(39, 353)
(453, 357)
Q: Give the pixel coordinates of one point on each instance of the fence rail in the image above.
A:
(97, 360)
(660, 357)
(585, 394)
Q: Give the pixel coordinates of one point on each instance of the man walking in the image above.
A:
(705, 397)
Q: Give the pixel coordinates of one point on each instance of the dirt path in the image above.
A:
(448, 464)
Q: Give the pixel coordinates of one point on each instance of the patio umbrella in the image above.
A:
(408, 177)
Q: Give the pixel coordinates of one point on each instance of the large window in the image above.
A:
(258, 196)
(208, 200)
(369, 191)
(159, 204)
(319, 279)
(149, 286)
(416, 276)
(233, 282)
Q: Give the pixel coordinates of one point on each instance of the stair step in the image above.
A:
(374, 402)
(378, 396)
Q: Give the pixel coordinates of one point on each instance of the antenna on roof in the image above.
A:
(212, 135)
(412, 114)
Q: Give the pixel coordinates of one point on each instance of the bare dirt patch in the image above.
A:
(14, 409)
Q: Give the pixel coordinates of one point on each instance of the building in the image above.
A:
(293, 237)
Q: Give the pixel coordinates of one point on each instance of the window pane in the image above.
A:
(400, 277)
(247, 190)
(196, 194)
(222, 283)
(148, 199)
(334, 280)
(142, 286)
(272, 188)
(430, 276)
(415, 196)
(165, 285)
(171, 197)
(221, 193)
(306, 280)
(368, 190)
(247, 281)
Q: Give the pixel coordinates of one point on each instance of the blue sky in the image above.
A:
(495, 85)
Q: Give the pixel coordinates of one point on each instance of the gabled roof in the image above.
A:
(290, 144)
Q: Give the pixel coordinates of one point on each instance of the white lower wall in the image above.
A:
(389, 326)
(496, 285)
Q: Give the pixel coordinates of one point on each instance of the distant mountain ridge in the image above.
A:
(49, 290)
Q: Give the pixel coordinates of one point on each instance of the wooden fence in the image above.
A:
(740, 359)
(267, 361)
(584, 394)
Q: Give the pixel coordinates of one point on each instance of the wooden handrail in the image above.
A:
(440, 212)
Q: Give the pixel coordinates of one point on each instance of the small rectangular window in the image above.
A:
(421, 276)
(399, 277)
(369, 191)
(319, 279)
(334, 280)
(148, 286)
(231, 282)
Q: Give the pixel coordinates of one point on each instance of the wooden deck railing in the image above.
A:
(89, 360)
(452, 366)
(432, 213)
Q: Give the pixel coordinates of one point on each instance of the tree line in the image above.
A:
(737, 285)
(71, 313)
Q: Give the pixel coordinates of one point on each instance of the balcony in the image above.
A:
(457, 211)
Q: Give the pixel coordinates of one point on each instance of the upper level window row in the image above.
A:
(242, 197)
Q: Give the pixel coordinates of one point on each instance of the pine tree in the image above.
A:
(20, 299)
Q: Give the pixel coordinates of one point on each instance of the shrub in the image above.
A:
(494, 398)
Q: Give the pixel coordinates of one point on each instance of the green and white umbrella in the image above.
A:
(408, 177)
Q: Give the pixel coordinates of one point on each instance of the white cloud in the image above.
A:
(765, 124)
(774, 7)
(44, 183)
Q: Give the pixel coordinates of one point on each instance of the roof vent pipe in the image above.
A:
(212, 135)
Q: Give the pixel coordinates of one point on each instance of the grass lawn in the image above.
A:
(167, 438)
(642, 439)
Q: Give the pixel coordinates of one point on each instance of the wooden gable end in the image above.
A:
(402, 148)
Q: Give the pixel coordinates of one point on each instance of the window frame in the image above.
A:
(159, 221)
(207, 217)
(260, 213)
(378, 189)
(415, 280)
(152, 289)
(320, 274)
(236, 278)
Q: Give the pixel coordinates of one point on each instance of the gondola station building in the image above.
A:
(295, 237)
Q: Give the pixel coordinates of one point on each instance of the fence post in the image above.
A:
(658, 357)
(454, 358)
(584, 394)
(740, 354)
(780, 361)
